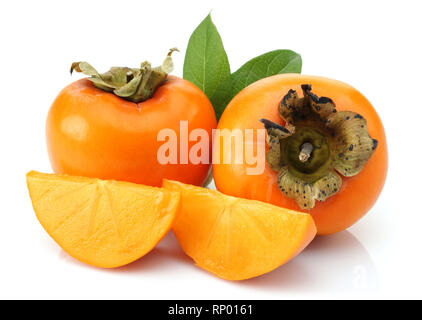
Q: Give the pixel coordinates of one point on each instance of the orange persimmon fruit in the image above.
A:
(326, 151)
(95, 128)
(103, 223)
(235, 238)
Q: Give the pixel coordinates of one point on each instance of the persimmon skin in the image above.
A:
(260, 100)
(94, 133)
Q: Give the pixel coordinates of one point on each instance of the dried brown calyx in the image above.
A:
(132, 84)
(316, 144)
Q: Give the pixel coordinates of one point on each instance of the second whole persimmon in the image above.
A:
(106, 126)
(326, 151)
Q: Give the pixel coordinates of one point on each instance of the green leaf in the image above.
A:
(206, 63)
(266, 65)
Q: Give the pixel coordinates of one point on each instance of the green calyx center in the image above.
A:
(316, 145)
(133, 84)
(307, 153)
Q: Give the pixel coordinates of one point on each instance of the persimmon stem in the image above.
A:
(305, 151)
(133, 84)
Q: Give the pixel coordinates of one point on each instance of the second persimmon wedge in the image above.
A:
(236, 238)
(104, 223)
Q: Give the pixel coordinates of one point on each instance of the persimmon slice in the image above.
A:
(103, 223)
(236, 238)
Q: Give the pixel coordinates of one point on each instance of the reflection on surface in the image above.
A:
(330, 263)
(167, 255)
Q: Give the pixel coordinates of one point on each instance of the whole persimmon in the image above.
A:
(107, 126)
(325, 146)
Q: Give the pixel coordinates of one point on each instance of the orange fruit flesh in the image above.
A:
(236, 238)
(103, 223)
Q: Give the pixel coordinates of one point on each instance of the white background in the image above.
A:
(373, 45)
